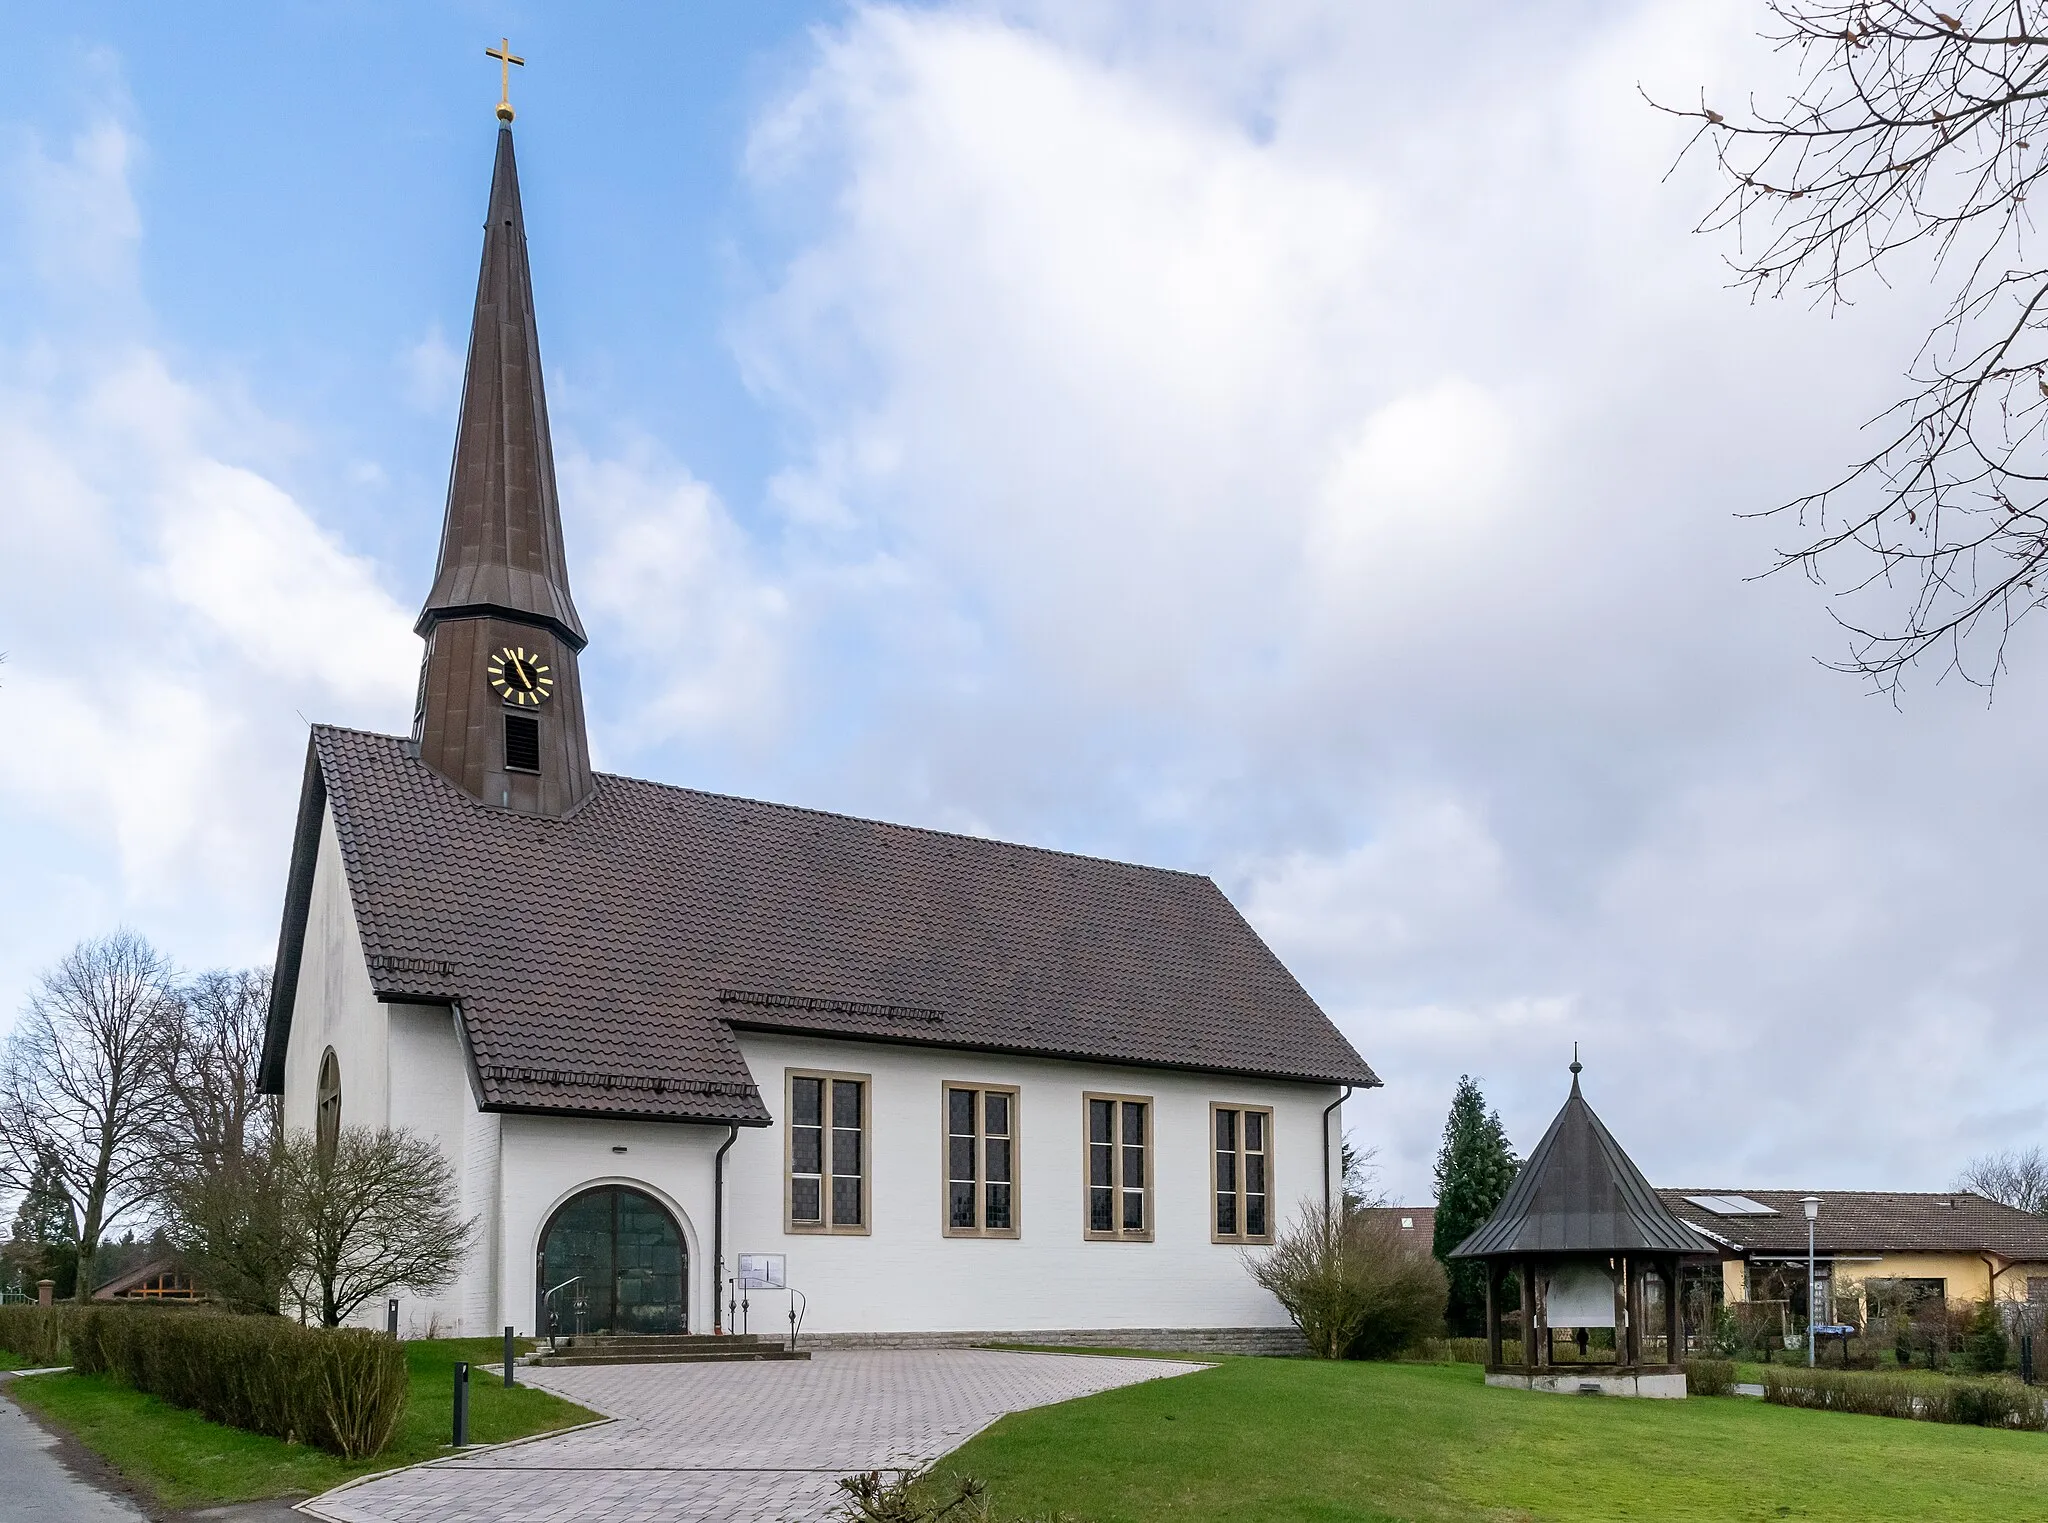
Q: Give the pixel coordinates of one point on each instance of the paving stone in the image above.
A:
(749, 1443)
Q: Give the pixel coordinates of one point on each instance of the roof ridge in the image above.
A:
(837, 814)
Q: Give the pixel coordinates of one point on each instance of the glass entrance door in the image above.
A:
(625, 1255)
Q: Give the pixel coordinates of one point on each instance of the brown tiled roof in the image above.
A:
(1421, 1219)
(1871, 1221)
(599, 961)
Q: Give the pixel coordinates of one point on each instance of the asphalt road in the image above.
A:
(38, 1488)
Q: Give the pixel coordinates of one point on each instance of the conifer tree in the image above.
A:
(1474, 1168)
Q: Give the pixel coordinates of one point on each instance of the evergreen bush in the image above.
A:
(1985, 1346)
(34, 1333)
(1977, 1403)
(340, 1390)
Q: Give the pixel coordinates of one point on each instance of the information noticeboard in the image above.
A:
(763, 1271)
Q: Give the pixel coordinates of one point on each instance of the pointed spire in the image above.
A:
(501, 544)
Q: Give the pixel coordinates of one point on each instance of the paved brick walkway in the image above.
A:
(740, 1443)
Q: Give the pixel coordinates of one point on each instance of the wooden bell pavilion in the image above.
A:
(1597, 1259)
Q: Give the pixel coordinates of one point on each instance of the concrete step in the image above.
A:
(746, 1354)
(664, 1342)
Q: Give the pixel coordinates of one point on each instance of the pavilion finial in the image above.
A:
(1576, 1064)
(506, 58)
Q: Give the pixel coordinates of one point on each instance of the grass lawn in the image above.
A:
(185, 1461)
(1312, 1442)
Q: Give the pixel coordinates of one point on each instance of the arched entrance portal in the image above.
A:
(626, 1255)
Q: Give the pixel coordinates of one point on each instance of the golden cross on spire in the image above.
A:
(506, 58)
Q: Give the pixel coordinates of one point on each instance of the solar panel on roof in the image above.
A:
(1731, 1205)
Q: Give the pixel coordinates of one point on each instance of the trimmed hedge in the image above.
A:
(340, 1390)
(34, 1333)
(1710, 1377)
(1973, 1403)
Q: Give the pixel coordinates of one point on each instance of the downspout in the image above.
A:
(718, 1232)
(1326, 1146)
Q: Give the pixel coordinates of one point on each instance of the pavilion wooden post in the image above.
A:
(1529, 1315)
(1492, 1314)
(1620, 1310)
(1674, 1315)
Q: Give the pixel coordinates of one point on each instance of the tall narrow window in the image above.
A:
(1119, 1147)
(1241, 1174)
(327, 1119)
(828, 1151)
(522, 743)
(981, 1143)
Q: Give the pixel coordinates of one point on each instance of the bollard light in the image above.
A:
(461, 1405)
(508, 1354)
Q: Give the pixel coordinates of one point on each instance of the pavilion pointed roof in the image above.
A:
(1580, 1193)
(501, 543)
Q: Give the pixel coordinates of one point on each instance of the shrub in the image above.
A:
(339, 1390)
(1447, 1351)
(1985, 1404)
(1353, 1284)
(1710, 1377)
(1985, 1347)
(35, 1333)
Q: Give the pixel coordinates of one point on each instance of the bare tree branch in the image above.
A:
(2014, 1178)
(1915, 134)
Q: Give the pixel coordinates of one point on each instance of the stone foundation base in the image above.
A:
(1590, 1383)
(1173, 1340)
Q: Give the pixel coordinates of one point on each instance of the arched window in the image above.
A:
(327, 1128)
(615, 1259)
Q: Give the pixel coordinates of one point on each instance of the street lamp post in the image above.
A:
(1812, 1205)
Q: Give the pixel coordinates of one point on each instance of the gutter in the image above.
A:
(1326, 1146)
(718, 1229)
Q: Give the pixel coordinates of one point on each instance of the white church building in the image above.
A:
(960, 1088)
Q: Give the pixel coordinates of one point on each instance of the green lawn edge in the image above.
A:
(1307, 1441)
(181, 1460)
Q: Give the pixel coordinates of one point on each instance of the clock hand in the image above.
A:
(519, 671)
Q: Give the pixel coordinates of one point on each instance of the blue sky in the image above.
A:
(1301, 443)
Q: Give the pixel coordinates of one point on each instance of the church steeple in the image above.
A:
(501, 709)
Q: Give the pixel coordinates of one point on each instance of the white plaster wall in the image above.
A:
(335, 1006)
(906, 1275)
(427, 1083)
(547, 1159)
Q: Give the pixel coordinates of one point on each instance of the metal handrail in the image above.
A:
(549, 1295)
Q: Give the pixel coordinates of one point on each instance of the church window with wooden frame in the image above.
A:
(1118, 1145)
(981, 1160)
(327, 1116)
(1241, 1173)
(827, 1152)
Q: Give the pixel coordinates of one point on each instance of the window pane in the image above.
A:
(960, 1158)
(806, 1150)
(1255, 1215)
(1226, 1214)
(996, 1114)
(803, 1094)
(845, 1151)
(998, 1159)
(845, 1202)
(960, 1201)
(1099, 1164)
(1134, 1210)
(1099, 1124)
(1226, 1172)
(1134, 1124)
(999, 1208)
(1134, 1168)
(1255, 1131)
(803, 1200)
(960, 1112)
(846, 1102)
(1226, 1131)
(1255, 1173)
(1101, 1211)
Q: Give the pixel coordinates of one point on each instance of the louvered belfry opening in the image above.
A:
(1586, 1247)
(522, 743)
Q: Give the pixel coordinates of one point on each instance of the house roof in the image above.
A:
(1580, 1193)
(126, 1281)
(599, 962)
(1420, 1221)
(1867, 1221)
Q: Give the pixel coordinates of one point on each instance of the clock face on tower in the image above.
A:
(520, 679)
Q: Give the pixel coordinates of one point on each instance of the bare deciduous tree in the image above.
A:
(375, 1213)
(2016, 1178)
(1911, 145)
(82, 1085)
(217, 1112)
